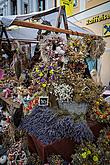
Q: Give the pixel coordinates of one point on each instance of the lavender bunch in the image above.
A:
(47, 127)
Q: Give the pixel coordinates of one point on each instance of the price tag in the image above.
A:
(43, 101)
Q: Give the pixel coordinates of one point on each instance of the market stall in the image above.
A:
(56, 106)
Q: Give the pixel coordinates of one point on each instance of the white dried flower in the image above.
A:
(63, 92)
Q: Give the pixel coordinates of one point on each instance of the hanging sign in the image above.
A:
(68, 6)
(43, 101)
(106, 29)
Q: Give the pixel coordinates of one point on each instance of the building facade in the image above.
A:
(18, 7)
(94, 16)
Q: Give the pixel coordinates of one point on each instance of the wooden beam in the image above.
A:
(49, 28)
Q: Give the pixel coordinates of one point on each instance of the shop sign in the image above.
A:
(98, 18)
(106, 29)
(68, 6)
(43, 101)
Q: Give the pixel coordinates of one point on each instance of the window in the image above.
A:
(41, 5)
(14, 7)
(55, 3)
(75, 3)
(25, 8)
(1, 11)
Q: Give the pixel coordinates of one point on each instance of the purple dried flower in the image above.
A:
(52, 77)
(42, 80)
(42, 67)
(50, 67)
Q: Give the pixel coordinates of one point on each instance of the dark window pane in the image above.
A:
(25, 8)
(41, 5)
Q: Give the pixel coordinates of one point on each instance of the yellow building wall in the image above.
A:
(77, 8)
(92, 3)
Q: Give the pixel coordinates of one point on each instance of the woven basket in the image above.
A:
(74, 107)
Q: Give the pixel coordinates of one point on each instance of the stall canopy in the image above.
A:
(29, 34)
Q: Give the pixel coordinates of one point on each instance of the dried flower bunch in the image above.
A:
(76, 56)
(94, 153)
(16, 154)
(34, 159)
(44, 124)
(101, 110)
(80, 48)
(86, 154)
(63, 92)
(77, 46)
(45, 74)
(56, 160)
(95, 47)
(84, 89)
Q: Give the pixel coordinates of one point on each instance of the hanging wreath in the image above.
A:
(95, 47)
(102, 110)
(52, 48)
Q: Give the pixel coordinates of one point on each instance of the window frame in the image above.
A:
(25, 4)
(43, 6)
(74, 4)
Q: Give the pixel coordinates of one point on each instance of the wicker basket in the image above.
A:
(74, 107)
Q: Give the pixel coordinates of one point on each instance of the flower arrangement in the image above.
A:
(102, 110)
(97, 153)
(85, 90)
(95, 47)
(34, 159)
(77, 45)
(52, 47)
(55, 160)
(32, 103)
(49, 127)
(76, 55)
(45, 74)
(87, 154)
(16, 154)
(63, 92)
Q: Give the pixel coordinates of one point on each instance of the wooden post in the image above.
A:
(65, 20)
(59, 19)
(62, 14)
